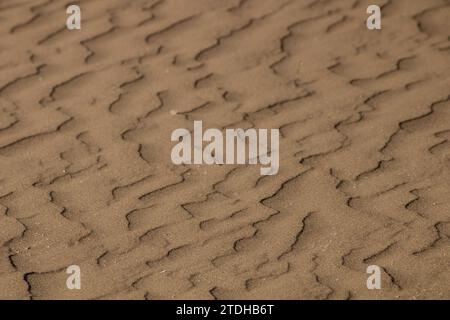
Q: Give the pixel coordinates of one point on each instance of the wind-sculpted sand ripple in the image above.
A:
(85, 171)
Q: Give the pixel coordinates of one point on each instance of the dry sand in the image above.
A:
(85, 170)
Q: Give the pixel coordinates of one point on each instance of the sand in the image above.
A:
(86, 176)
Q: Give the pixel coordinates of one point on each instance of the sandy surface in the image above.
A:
(86, 176)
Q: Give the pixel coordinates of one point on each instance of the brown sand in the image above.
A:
(86, 176)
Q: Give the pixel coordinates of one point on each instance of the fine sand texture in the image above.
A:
(86, 176)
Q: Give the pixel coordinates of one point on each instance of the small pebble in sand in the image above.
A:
(173, 112)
